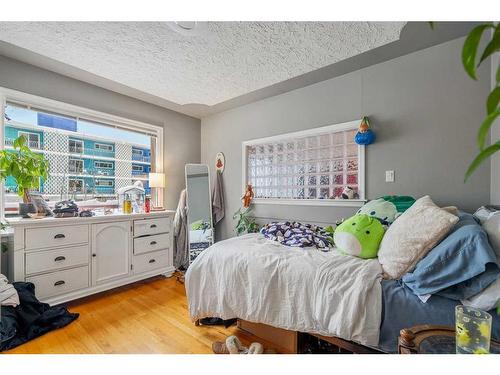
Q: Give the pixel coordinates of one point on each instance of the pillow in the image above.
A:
(412, 235)
(360, 235)
(462, 265)
(492, 227)
(486, 300)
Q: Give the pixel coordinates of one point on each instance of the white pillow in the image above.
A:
(412, 236)
(487, 299)
(492, 227)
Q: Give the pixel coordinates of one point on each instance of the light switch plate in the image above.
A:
(389, 176)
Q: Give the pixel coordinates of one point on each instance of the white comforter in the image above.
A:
(305, 290)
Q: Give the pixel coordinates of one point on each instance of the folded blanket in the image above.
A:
(8, 294)
(298, 235)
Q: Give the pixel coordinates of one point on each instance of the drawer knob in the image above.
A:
(60, 235)
(153, 243)
(152, 260)
(60, 282)
(94, 255)
(59, 259)
(152, 226)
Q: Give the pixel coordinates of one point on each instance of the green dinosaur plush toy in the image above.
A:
(360, 235)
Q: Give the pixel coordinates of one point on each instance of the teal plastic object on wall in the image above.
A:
(365, 135)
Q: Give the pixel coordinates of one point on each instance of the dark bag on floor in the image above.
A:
(30, 319)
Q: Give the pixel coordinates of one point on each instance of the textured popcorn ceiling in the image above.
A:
(222, 61)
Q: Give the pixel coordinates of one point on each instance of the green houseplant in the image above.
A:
(25, 166)
(245, 223)
(471, 60)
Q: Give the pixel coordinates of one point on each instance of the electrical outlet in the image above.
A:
(389, 176)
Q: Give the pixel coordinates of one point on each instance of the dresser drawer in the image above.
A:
(151, 226)
(151, 243)
(151, 261)
(55, 283)
(52, 260)
(37, 238)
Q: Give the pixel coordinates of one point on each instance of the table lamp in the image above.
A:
(157, 180)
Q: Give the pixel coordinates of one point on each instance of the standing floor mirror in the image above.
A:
(199, 209)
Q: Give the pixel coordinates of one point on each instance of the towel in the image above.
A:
(181, 255)
(8, 295)
(218, 206)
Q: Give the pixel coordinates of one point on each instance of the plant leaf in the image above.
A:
(482, 156)
(493, 99)
(498, 74)
(485, 127)
(469, 50)
(493, 46)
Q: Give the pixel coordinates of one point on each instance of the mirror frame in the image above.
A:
(187, 205)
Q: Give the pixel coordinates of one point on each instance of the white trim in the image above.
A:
(69, 133)
(75, 111)
(2, 146)
(311, 202)
(344, 126)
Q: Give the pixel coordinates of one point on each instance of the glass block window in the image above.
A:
(316, 164)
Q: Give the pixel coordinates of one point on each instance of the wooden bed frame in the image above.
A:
(293, 342)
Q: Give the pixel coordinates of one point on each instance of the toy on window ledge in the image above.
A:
(248, 196)
(348, 193)
(365, 135)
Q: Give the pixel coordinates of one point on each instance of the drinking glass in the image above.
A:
(473, 330)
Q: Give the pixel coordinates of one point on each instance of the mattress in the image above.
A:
(402, 309)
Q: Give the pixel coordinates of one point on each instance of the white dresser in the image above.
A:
(70, 258)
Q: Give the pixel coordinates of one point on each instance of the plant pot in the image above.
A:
(26, 208)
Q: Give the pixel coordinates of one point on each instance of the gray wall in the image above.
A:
(495, 137)
(424, 110)
(181, 132)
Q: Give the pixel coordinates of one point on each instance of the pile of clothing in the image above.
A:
(23, 317)
(296, 234)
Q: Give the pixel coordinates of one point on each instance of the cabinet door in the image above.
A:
(111, 251)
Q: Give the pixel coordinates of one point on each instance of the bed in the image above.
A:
(308, 290)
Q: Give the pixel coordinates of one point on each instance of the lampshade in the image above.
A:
(157, 180)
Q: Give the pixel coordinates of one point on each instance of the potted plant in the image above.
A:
(245, 223)
(27, 168)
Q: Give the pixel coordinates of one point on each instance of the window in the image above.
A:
(75, 185)
(103, 147)
(75, 146)
(137, 168)
(103, 164)
(103, 182)
(136, 152)
(32, 139)
(75, 166)
(65, 133)
(310, 165)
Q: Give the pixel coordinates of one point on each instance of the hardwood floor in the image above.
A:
(146, 317)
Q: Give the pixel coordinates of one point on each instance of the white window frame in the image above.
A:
(76, 142)
(107, 162)
(350, 125)
(98, 180)
(9, 95)
(76, 160)
(76, 179)
(103, 146)
(27, 135)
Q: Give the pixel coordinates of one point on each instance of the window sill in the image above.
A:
(311, 202)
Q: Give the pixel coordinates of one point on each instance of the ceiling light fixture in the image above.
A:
(187, 27)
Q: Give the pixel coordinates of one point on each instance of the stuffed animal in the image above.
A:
(248, 196)
(365, 135)
(360, 235)
(387, 208)
(348, 193)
